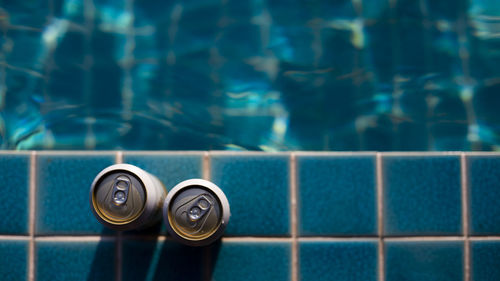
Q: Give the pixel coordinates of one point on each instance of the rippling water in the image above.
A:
(257, 75)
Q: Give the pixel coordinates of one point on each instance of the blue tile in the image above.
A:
(13, 260)
(257, 188)
(485, 260)
(161, 260)
(337, 195)
(68, 261)
(339, 261)
(484, 194)
(422, 195)
(171, 169)
(430, 261)
(63, 184)
(15, 186)
(27, 14)
(240, 261)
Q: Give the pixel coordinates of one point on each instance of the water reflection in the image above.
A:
(257, 75)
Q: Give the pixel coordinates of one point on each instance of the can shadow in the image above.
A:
(135, 254)
(186, 263)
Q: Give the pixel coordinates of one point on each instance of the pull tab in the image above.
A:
(120, 190)
(199, 208)
(193, 214)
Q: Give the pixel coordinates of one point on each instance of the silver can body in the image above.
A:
(125, 197)
(196, 212)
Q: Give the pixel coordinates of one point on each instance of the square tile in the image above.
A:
(242, 261)
(257, 187)
(337, 195)
(161, 260)
(13, 260)
(15, 186)
(484, 194)
(170, 169)
(485, 259)
(429, 260)
(422, 195)
(63, 186)
(339, 261)
(64, 260)
(34, 14)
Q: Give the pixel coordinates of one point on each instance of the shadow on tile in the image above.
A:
(155, 260)
(75, 260)
(102, 262)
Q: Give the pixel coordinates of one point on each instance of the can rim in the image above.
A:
(146, 181)
(221, 198)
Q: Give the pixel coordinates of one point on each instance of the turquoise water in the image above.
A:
(258, 75)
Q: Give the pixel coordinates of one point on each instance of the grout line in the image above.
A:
(257, 239)
(119, 157)
(118, 241)
(205, 166)
(75, 238)
(484, 238)
(15, 237)
(248, 153)
(425, 238)
(422, 153)
(76, 152)
(32, 205)
(294, 216)
(380, 217)
(338, 239)
(164, 152)
(465, 216)
(118, 256)
(207, 260)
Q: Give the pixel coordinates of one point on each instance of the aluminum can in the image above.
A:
(125, 197)
(196, 212)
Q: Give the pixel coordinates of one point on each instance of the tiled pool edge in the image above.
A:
(293, 239)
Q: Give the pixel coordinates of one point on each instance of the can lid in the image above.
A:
(195, 213)
(119, 197)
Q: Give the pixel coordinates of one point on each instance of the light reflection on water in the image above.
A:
(258, 75)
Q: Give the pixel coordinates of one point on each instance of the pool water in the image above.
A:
(250, 75)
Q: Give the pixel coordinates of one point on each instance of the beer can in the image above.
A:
(125, 197)
(196, 212)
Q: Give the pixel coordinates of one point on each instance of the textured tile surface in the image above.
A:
(422, 195)
(63, 185)
(161, 260)
(71, 261)
(485, 260)
(171, 169)
(257, 188)
(14, 185)
(339, 261)
(337, 195)
(484, 194)
(13, 260)
(427, 260)
(242, 261)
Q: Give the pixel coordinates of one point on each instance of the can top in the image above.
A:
(197, 210)
(119, 197)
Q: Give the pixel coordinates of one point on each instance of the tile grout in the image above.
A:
(118, 240)
(294, 216)
(77, 238)
(205, 171)
(206, 166)
(465, 215)
(32, 205)
(380, 217)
